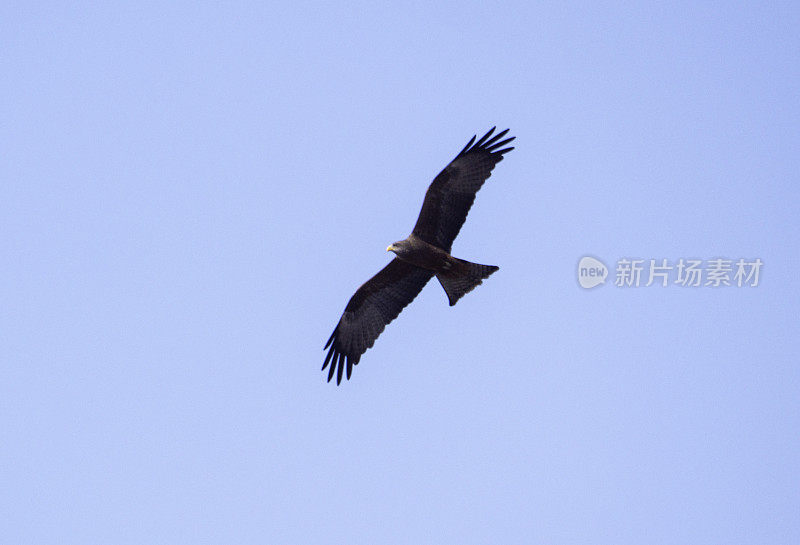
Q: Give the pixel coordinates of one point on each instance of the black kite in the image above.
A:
(425, 253)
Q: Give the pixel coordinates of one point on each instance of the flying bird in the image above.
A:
(424, 254)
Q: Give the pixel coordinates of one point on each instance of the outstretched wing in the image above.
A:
(372, 307)
(452, 192)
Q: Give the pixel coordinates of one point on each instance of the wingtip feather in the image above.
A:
(330, 339)
(331, 370)
(327, 359)
(495, 138)
(471, 140)
(483, 139)
(339, 369)
(495, 146)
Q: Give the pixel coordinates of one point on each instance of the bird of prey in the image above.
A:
(424, 254)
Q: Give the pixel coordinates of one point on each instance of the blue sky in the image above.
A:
(190, 194)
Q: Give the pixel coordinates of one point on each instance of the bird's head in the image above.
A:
(399, 247)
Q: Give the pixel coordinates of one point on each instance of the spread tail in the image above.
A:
(463, 278)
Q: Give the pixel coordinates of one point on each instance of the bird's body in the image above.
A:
(416, 251)
(425, 253)
(456, 276)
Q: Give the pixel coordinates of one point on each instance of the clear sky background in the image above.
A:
(189, 195)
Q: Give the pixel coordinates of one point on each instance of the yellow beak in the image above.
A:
(390, 247)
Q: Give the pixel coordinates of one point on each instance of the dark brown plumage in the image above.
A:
(425, 253)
